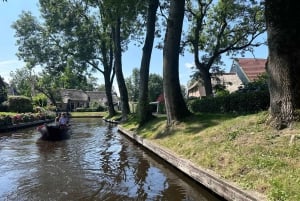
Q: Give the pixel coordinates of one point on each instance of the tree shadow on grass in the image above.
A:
(195, 124)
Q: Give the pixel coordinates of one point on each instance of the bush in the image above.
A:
(249, 102)
(5, 120)
(40, 100)
(4, 106)
(80, 109)
(19, 104)
(97, 107)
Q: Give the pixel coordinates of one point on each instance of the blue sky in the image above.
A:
(10, 11)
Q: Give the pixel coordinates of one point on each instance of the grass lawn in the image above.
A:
(241, 149)
(87, 114)
(8, 113)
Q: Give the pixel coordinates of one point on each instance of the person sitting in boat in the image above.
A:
(57, 119)
(63, 120)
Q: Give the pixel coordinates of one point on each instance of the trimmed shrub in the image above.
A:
(5, 120)
(250, 102)
(80, 109)
(4, 106)
(19, 104)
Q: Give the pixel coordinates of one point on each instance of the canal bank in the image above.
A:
(19, 126)
(205, 177)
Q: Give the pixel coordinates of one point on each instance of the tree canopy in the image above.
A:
(221, 27)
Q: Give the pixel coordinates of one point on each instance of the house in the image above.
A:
(230, 80)
(73, 98)
(242, 71)
(100, 97)
(196, 90)
(97, 96)
(248, 69)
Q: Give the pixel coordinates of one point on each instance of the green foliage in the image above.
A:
(277, 192)
(228, 27)
(96, 106)
(237, 102)
(132, 84)
(20, 104)
(220, 90)
(260, 84)
(98, 109)
(40, 100)
(10, 119)
(253, 97)
(22, 81)
(5, 120)
(4, 106)
(3, 90)
(51, 108)
(155, 86)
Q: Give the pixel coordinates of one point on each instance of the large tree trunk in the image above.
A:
(206, 77)
(108, 73)
(144, 109)
(108, 92)
(118, 69)
(283, 64)
(175, 104)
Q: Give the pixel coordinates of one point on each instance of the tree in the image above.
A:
(21, 81)
(132, 83)
(62, 45)
(175, 105)
(120, 18)
(39, 100)
(123, 20)
(226, 27)
(144, 109)
(48, 84)
(73, 20)
(155, 86)
(283, 61)
(3, 90)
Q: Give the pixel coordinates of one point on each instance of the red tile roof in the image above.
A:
(252, 67)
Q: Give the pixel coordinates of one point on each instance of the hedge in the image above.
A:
(249, 102)
(19, 104)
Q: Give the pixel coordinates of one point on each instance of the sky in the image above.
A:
(9, 62)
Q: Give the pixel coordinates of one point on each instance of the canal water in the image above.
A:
(96, 163)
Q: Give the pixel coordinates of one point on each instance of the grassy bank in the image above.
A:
(87, 114)
(241, 149)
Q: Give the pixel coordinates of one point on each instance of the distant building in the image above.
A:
(196, 90)
(248, 69)
(242, 71)
(73, 98)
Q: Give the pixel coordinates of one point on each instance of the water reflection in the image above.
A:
(96, 163)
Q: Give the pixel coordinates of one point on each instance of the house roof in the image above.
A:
(73, 94)
(194, 85)
(96, 95)
(252, 67)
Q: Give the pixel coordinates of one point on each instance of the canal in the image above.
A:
(96, 163)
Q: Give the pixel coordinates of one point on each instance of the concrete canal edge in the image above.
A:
(207, 178)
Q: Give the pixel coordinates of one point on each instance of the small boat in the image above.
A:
(53, 132)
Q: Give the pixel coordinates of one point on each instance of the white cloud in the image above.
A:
(9, 63)
(189, 65)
